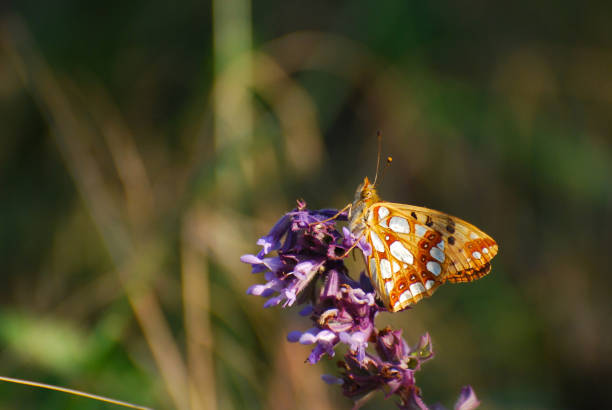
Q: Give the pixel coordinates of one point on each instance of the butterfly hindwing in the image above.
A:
(399, 271)
(415, 249)
(469, 275)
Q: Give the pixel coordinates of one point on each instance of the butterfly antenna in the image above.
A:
(379, 137)
(389, 161)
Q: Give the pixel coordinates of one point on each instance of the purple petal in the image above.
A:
(309, 337)
(267, 244)
(424, 350)
(309, 269)
(326, 336)
(252, 259)
(391, 346)
(329, 379)
(349, 238)
(271, 241)
(255, 290)
(318, 352)
(415, 402)
(260, 265)
(347, 234)
(467, 399)
(357, 342)
(294, 336)
(354, 340)
(261, 290)
(358, 296)
(290, 294)
(340, 325)
(306, 311)
(274, 264)
(326, 341)
(273, 301)
(332, 285)
(365, 247)
(303, 269)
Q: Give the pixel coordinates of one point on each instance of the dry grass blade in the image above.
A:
(128, 162)
(198, 330)
(296, 113)
(71, 134)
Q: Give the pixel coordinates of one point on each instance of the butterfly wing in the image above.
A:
(416, 249)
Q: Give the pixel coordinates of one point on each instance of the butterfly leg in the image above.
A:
(333, 217)
(353, 245)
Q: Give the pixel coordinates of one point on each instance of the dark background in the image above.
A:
(146, 145)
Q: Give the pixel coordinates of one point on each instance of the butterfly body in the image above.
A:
(416, 249)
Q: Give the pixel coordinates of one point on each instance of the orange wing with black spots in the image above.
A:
(415, 250)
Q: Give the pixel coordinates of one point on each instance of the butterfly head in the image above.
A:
(364, 197)
(366, 192)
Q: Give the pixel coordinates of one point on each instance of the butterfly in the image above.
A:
(416, 249)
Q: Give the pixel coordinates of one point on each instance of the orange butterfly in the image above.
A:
(415, 249)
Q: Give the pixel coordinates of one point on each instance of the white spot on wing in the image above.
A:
(417, 288)
(400, 252)
(434, 267)
(396, 306)
(436, 253)
(399, 224)
(441, 245)
(405, 297)
(396, 267)
(429, 284)
(378, 245)
(385, 268)
(382, 212)
(485, 250)
(389, 286)
(473, 236)
(476, 255)
(420, 230)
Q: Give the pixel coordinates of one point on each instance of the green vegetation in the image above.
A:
(146, 145)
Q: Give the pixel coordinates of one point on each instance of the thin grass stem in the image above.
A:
(72, 391)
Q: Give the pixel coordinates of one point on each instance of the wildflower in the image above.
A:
(467, 399)
(308, 269)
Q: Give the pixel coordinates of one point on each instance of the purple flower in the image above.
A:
(391, 347)
(391, 371)
(260, 265)
(349, 240)
(271, 241)
(467, 399)
(308, 268)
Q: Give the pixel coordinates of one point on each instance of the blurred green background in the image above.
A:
(146, 145)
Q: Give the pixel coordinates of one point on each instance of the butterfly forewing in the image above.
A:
(415, 250)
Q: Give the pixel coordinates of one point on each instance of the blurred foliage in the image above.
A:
(147, 145)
